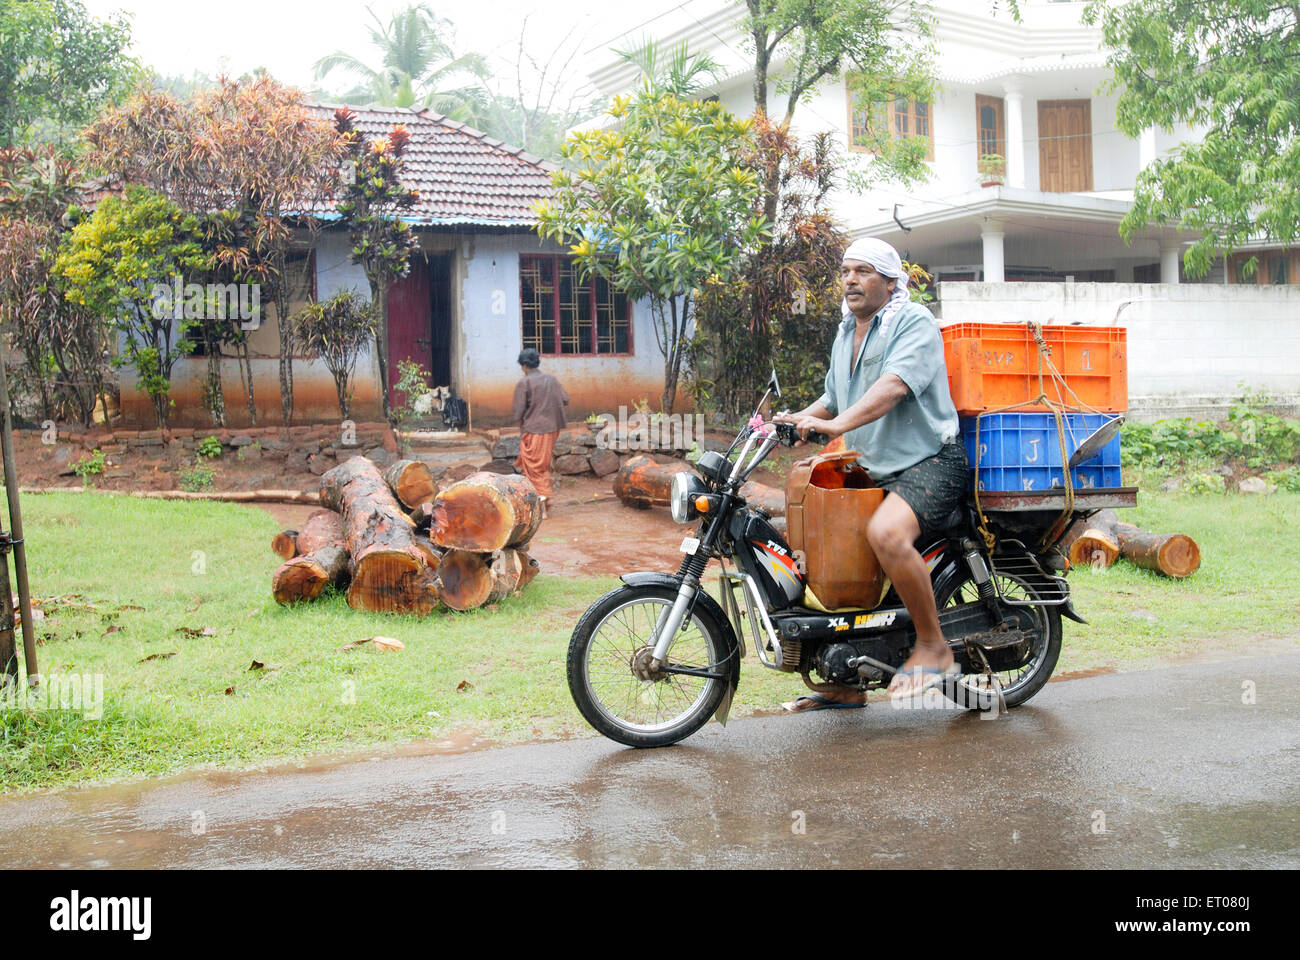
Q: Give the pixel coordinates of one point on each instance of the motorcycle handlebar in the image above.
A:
(788, 436)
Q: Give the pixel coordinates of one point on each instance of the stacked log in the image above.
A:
(642, 483)
(486, 512)
(471, 580)
(305, 578)
(411, 482)
(1102, 538)
(402, 546)
(321, 559)
(285, 544)
(389, 571)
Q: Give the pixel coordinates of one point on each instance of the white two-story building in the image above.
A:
(1034, 94)
(1029, 93)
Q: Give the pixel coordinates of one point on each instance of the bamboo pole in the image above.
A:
(230, 496)
(12, 493)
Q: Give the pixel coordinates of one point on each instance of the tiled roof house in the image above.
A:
(482, 287)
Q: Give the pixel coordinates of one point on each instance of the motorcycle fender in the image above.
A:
(649, 579)
(1068, 611)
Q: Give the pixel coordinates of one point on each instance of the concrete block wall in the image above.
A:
(1191, 347)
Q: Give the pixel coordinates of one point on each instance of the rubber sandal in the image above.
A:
(928, 677)
(821, 703)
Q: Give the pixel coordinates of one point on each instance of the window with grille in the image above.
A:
(567, 316)
(991, 126)
(901, 118)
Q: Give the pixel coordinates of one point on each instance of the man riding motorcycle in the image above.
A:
(887, 394)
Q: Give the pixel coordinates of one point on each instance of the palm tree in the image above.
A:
(671, 70)
(416, 68)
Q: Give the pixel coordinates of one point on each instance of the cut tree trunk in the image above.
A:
(530, 568)
(422, 515)
(323, 528)
(466, 579)
(411, 482)
(486, 512)
(511, 571)
(1173, 554)
(390, 572)
(285, 544)
(643, 483)
(303, 578)
(432, 553)
(765, 498)
(470, 580)
(1093, 547)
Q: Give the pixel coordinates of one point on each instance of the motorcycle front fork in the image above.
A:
(671, 620)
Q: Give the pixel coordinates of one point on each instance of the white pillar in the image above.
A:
(1147, 148)
(1170, 256)
(1015, 136)
(994, 264)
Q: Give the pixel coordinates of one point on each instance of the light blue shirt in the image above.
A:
(911, 349)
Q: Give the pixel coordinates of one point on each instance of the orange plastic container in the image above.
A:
(829, 504)
(994, 365)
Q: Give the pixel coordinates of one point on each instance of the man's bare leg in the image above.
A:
(892, 535)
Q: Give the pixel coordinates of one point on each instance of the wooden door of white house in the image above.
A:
(1064, 146)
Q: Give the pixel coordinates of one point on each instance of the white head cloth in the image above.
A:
(886, 262)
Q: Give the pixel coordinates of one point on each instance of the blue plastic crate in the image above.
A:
(1021, 451)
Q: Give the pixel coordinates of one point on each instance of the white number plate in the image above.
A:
(690, 545)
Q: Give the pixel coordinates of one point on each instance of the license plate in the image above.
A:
(690, 545)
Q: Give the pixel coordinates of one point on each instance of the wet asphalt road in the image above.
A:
(1165, 768)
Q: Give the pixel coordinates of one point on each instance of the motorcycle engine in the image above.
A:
(832, 662)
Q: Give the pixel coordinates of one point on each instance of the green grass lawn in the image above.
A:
(145, 579)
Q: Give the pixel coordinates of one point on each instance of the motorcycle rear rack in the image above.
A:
(1053, 591)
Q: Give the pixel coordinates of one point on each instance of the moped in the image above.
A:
(652, 661)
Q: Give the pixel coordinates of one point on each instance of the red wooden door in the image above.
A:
(410, 322)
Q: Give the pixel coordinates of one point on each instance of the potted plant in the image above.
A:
(992, 168)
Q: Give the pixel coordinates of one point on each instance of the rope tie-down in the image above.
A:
(1047, 374)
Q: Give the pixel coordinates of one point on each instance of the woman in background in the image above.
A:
(539, 411)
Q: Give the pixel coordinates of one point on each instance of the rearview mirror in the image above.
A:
(1099, 438)
(774, 385)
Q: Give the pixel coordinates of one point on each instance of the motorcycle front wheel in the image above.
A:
(611, 681)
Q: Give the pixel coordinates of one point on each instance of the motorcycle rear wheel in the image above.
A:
(611, 642)
(1025, 681)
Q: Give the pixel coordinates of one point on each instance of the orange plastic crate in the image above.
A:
(995, 365)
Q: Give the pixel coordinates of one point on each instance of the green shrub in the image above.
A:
(412, 383)
(199, 477)
(1288, 479)
(210, 447)
(1250, 434)
(1204, 483)
(90, 466)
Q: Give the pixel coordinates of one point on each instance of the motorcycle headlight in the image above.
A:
(685, 488)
